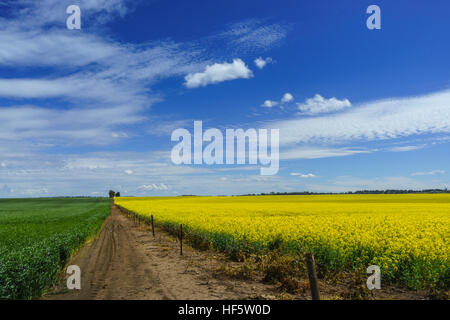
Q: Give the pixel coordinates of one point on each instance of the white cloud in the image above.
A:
(261, 63)
(118, 135)
(154, 187)
(95, 77)
(160, 127)
(318, 152)
(52, 12)
(287, 97)
(89, 88)
(429, 173)
(85, 76)
(303, 175)
(218, 72)
(3, 165)
(6, 191)
(405, 148)
(378, 120)
(79, 125)
(319, 104)
(128, 172)
(60, 175)
(254, 36)
(348, 183)
(36, 191)
(269, 104)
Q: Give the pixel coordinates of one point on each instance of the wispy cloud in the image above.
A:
(89, 173)
(164, 127)
(78, 125)
(52, 12)
(429, 173)
(406, 148)
(350, 183)
(88, 76)
(255, 35)
(303, 175)
(319, 152)
(371, 121)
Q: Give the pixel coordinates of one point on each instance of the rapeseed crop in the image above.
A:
(406, 235)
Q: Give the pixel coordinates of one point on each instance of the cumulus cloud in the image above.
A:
(319, 104)
(287, 97)
(269, 104)
(218, 72)
(261, 63)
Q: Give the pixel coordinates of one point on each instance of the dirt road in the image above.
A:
(126, 262)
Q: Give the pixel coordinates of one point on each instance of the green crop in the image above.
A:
(38, 236)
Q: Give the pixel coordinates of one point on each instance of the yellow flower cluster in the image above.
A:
(406, 235)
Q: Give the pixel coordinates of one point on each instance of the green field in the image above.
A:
(38, 236)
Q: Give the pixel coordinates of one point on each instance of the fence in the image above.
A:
(312, 275)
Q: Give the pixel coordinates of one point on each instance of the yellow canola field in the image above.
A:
(406, 235)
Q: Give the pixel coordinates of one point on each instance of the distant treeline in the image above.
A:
(390, 191)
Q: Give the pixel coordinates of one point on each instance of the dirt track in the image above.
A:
(126, 262)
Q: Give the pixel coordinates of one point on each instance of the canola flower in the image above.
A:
(406, 235)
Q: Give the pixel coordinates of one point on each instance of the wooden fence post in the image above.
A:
(181, 239)
(312, 276)
(153, 227)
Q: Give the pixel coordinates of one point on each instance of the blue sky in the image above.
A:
(85, 111)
